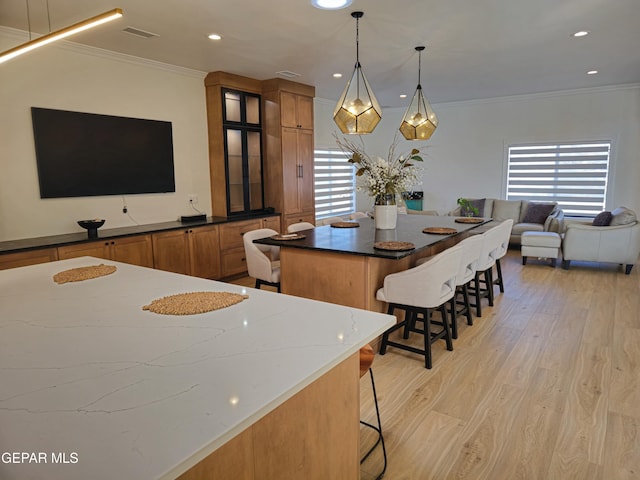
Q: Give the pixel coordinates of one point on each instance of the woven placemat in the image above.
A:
(84, 273)
(289, 236)
(440, 230)
(345, 224)
(469, 220)
(193, 303)
(394, 245)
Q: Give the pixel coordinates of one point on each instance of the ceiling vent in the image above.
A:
(288, 74)
(139, 33)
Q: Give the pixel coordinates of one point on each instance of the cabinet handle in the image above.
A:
(243, 259)
(300, 171)
(106, 244)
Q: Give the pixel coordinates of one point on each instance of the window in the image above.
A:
(572, 174)
(334, 184)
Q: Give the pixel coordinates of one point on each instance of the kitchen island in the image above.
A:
(341, 265)
(98, 388)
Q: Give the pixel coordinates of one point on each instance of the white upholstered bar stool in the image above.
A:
(329, 221)
(418, 292)
(300, 226)
(502, 249)
(482, 283)
(471, 250)
(263, 261)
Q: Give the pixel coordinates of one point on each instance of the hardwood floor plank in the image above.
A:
(622, 460)
(624, 396)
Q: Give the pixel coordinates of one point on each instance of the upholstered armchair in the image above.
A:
(615, 243)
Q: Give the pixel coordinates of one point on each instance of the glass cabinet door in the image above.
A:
(243, 151)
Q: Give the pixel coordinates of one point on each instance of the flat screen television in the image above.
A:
(86, 154)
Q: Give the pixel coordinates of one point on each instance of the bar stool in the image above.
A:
(418, 292)
(262, 260)
(482, 284)
(501, 251)
(298, 227)
(471, 250)
(366, 359)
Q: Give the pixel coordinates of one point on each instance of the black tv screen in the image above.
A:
(86, 154)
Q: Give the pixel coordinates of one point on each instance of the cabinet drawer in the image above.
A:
(234, 262)
(231, 233)
(271, 222)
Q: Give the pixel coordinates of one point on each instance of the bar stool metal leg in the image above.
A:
(378, 429)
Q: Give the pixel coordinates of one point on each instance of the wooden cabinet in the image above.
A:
(296, 111)
(135, 250)
(235, 143)
(233, 260)
(289, 174)
(190, 251)
(30, 257)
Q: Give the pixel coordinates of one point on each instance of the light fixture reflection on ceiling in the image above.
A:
(331, 4)
(357, 111)
(419, 121)
(592, 72)
(60, 34)
(581, 33)
(215, 36)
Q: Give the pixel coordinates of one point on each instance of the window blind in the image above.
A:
(334, 183)
(572, 174)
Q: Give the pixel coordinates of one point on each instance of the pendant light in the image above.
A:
(358, 111)
(60, 34)
(419, 121)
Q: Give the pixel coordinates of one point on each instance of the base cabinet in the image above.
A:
(135, 250)
(232, 254)
(31, 257)
(192, 251)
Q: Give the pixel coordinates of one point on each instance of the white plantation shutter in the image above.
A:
(572, 174)
(334, 184)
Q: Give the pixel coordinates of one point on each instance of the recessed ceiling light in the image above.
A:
(581, 33)
(404, 95)
(592, 72)
(331, 4)
(337, 75)
(215, 36)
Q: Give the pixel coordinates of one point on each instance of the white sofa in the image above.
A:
(617, 243)
(500, 210)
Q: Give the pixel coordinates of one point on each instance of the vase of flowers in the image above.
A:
(383, 178)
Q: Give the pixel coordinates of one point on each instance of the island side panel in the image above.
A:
(329, 277)
(314, 434)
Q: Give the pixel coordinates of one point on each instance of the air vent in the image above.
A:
(288, 74)
(139, 33)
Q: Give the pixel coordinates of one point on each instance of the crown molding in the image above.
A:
(22, 36)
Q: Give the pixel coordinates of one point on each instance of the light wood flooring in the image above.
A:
(545, 385)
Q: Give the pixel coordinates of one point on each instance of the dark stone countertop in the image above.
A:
(12, 246)
(360, 240)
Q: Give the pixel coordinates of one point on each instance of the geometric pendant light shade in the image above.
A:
(419, 121)
(358, 111)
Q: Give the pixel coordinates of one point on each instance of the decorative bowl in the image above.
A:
(92, 226)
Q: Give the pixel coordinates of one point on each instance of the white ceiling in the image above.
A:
(475, 48)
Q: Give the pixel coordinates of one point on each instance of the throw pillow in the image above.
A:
(603, 219)
(537, 212)
(622, 216)
(506, 209)
(479, 204)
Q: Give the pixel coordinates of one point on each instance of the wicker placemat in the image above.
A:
(345, 224)
(440, 230)
(394, 245)
(193, 303)
(289, 236)
(469, 220)
(84, 273)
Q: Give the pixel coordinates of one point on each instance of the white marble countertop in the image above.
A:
(128, 394)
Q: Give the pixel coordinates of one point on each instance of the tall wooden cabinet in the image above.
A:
(235, 145)
(288, 127)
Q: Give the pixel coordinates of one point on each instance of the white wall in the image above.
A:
(71, 77)
(465, 157)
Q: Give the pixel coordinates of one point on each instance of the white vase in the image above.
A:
(385, 216)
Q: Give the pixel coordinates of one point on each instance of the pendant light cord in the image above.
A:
(28, 20)
(48, 16)
(419, 65)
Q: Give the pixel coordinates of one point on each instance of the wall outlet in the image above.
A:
(193, 199)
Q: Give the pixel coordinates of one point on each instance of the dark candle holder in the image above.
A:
(92, 226)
